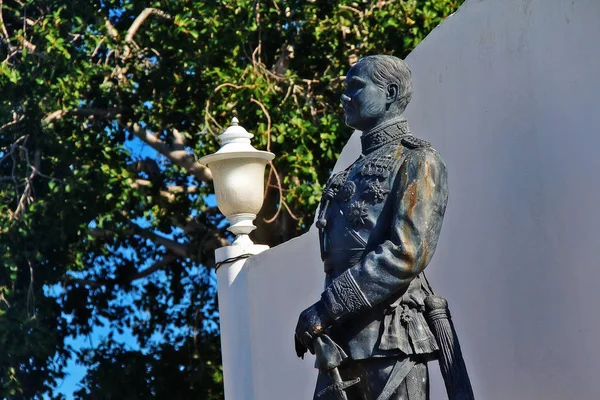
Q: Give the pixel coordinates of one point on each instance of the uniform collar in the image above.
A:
(383, 134)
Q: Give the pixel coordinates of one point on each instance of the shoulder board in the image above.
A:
(336, 181)
(414, 143)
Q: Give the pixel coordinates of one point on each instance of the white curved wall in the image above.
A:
(508, 92)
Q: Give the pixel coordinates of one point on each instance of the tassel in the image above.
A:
(452, 365)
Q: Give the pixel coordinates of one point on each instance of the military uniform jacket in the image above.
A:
(379, 225)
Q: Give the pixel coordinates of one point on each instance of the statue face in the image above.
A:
(364, 102)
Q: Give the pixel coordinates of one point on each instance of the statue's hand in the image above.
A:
(312, 323)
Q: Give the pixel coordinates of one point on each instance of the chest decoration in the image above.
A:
(374, 192)
(378, 167)
(347, 191)
(357, 214)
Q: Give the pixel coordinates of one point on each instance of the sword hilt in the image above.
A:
(328, 360)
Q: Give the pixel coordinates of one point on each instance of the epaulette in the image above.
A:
(414, 143)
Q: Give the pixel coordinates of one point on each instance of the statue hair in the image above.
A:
(387, 69)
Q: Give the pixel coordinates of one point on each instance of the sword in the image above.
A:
(328, 359)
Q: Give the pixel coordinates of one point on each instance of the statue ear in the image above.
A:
(391, 93)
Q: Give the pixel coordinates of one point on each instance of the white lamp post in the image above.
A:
(238, 171)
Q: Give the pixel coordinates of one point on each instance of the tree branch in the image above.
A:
(4, 30)
(264, 109)
(140, 20)
(97, 47)
(176, 249)
(27, 44)
(179, 249)
(182, 189)
(281, 197)
(193, 227)
(178, 140)
(160, 264)
(140, 183)
(354, 10)
(15, 121)
(27, 196)
(207, 114)
(111, 30)
(81, 112)
(178, 157)
(101, 233)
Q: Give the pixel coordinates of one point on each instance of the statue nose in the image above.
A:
(345, 99)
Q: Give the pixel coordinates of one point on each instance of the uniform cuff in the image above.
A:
(343, 297)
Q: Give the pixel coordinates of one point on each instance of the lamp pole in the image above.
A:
(238, 176)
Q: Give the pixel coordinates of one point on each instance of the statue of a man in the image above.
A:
(379, 225)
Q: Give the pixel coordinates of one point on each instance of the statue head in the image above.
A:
(378, 88)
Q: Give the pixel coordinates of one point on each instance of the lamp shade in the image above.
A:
(238, 171)
(239, 184)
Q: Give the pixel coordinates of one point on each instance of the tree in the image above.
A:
(105, 212)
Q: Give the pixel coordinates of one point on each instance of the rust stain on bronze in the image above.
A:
(424, 256)
(407, 241)
(399, 152)
(428, 183)
(411, 195)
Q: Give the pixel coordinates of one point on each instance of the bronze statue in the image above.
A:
(374, 328)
